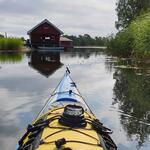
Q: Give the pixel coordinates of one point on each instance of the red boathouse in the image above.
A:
(45, 34)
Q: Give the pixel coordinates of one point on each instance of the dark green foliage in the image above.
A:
(134, 37)
(128, 10)
(87, 40)
(121, 44)
(140, 29)
(134, 40)
(10, 44)
(1, 36)
(22, 38)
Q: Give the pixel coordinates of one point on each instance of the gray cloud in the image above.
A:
(95, 17)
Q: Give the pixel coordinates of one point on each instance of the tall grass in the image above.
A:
(133, 41)
(121, 44)
(10, 44)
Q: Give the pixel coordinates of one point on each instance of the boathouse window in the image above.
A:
(47, 38)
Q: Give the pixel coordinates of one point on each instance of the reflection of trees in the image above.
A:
(109, 63)
(84, 52)
(132, 92)
(11, 57)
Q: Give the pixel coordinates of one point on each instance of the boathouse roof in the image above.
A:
(44, 21)
(62, 38)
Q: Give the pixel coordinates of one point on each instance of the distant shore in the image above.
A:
(88, 47)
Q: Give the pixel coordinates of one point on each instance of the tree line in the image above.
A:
(87, 40)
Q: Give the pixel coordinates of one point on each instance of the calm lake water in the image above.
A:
(117, 92)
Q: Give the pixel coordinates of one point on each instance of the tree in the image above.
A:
(128, 10)
(1, 36)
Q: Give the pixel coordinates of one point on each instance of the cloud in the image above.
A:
(95, 17)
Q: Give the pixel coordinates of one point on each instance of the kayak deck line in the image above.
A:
(59, 90)
(66, 122)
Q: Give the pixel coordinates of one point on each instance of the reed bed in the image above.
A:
(10, 44)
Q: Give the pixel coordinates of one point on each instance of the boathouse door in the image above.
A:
(46, 41)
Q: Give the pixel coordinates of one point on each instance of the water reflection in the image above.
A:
(99, 77)
(46, 63)
(11, 57)
(132, 93)
(86, 52)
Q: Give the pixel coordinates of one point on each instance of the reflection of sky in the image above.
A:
(23, 91)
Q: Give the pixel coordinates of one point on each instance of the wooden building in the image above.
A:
(65, 42)
(45, 34)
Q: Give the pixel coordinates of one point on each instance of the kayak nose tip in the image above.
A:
(67, 70)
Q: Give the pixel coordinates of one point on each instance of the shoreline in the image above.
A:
(23, 49)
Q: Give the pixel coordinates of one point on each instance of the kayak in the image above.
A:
(66, 122)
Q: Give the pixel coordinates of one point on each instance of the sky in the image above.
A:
(73, 17)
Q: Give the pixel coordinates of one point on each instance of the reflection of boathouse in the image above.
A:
(45, 63)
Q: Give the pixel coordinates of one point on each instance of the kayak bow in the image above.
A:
(66, 123)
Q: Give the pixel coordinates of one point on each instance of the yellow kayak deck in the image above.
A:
(76, 138)
(66, 123)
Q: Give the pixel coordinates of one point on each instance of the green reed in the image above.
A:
(10, 44)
